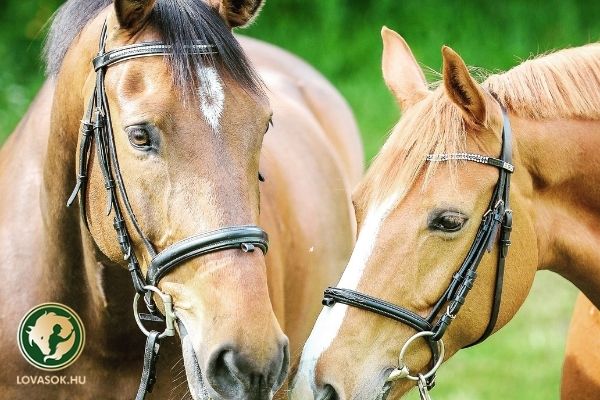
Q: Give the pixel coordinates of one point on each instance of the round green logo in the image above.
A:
(51, 336)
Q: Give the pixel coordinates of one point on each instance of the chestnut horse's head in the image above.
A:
(187, 130)
(417, 220)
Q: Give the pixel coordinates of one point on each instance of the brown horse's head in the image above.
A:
(417, 220)
(188, 133)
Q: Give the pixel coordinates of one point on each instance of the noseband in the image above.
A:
(97, 128)
(496, 220)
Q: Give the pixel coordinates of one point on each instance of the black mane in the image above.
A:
(180, 22)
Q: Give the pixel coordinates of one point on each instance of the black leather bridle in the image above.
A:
(97, 128)
(496, 220)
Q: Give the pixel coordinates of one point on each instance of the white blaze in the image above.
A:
(330, 319)
(212, 96)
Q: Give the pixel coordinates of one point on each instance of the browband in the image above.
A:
(478, 158)
(145, 50)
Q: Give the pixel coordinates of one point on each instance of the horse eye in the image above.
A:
(139, 137)
(448, 221)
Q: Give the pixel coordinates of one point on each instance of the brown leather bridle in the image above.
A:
(97, 129)
(497, 220)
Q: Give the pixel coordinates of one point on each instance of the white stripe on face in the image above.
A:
(212, 96)
(330, 319)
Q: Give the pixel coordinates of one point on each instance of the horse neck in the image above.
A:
(561, 160)
(75, 272)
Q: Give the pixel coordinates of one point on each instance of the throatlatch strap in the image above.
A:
(149, 371)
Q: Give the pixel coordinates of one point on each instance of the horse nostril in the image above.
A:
(282, 368)
(232, 375)
(328, 393)
(223, 375)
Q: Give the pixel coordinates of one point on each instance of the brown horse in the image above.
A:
(418, 218)
(188, 132)
(580, 377)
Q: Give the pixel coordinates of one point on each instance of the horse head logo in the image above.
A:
(52, 334)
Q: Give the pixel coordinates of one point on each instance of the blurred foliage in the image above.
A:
(341, 39)
(21, 70)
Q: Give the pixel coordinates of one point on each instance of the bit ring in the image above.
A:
(169, 312)
(402, 371)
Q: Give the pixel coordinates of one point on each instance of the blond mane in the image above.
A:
(564, 84)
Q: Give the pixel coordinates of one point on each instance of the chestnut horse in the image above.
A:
(188, 132)
(422, 201)
(580, 377)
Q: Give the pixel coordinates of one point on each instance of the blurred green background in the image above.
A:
(341, 39)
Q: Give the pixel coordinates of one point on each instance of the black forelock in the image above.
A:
(180, 22)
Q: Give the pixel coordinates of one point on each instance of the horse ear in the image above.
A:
(133, 14)
(238, 12)
(401, 72)
(462, 89)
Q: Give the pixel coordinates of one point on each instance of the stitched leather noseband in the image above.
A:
(496, 220)
(97, 128)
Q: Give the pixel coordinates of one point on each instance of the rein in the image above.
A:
(97, 130)
(497, 220)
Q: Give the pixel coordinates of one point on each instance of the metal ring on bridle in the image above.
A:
(403, 372)
(169, 312)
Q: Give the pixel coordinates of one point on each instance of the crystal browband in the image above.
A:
(478, 158)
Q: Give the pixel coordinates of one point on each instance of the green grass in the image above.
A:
(341, 39)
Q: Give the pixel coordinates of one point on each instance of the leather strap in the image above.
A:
(478, 158)
(149, 370)
(389, 310)
(366, 302)
(146, 49)
(235, 237)
(97, 124)
(505, 231)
